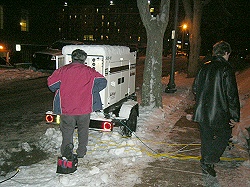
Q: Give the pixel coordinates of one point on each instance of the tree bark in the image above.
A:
(152, 87)
(155, 28)
(193, 12)
(195, 40)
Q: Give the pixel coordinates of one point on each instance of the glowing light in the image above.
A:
(18, 47)
(57, 119)
(107, 126)
(184, 26)
(49, 118)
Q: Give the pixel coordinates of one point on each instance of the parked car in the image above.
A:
(46, 59)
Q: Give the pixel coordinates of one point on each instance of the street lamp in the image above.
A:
(184, 27)
(171, 85)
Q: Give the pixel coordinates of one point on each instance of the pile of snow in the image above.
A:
(240, 131)
(7, 75)
(113, 160)
(102, 145)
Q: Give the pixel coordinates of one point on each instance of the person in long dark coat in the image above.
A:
(217, 107)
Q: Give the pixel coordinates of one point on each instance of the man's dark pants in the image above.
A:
(213, 142)
(67, 126)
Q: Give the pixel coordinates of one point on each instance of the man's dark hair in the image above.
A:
(220, 48)
(79, 56)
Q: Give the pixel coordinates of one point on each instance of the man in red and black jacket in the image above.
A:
(76, 88)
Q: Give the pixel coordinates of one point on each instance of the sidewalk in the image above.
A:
(179, 162)
(177, 155)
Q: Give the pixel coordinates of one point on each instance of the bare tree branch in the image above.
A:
(164, 10)
(144, 10)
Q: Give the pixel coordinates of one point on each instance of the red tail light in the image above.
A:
(52, 118)
(49, 118)
(107, 126)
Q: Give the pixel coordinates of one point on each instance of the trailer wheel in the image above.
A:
(131, 123)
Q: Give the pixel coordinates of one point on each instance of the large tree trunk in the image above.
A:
(155, 28)
(195, 40)
(152, 87)
(193, 12)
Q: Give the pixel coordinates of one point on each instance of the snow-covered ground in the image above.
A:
(112, 160)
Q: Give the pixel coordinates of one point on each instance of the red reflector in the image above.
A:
(107, 126)
(49, 118)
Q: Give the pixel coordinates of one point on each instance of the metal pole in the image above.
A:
(171, 85)
(182, 40)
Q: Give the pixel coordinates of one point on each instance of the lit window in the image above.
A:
(107, 24)
(24, 25)
(24, 22)
(139, 38)
(88, 37)
(102, 17)
(97, 10)
(152, 10)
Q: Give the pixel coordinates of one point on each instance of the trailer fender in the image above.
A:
(127, 107)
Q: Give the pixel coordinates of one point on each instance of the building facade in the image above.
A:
(112, 24)
(43, 24)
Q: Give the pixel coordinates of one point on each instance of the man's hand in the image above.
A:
(232, 123)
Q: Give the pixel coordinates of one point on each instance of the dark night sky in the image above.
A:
(229, 21)
(70, 2)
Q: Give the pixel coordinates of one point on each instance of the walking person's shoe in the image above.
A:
(208, 169)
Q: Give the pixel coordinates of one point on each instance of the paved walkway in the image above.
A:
(179, 162)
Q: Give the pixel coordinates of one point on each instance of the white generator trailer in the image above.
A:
(118, 65)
